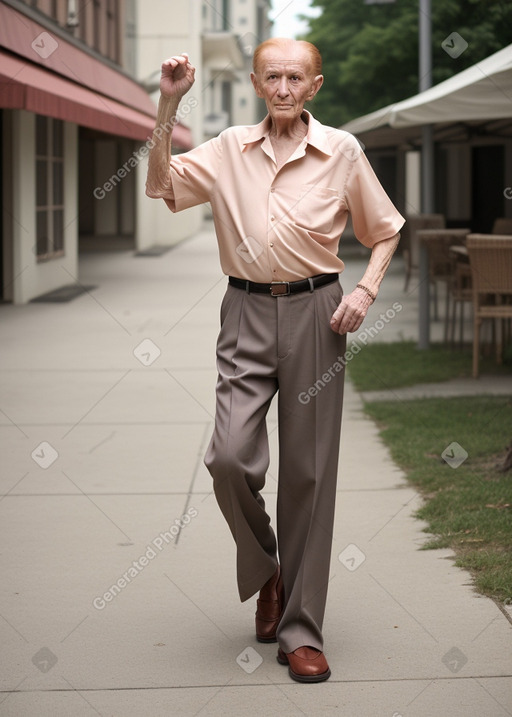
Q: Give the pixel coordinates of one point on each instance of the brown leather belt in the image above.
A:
(283, 288)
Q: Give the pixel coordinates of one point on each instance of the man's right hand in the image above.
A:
(177, 76)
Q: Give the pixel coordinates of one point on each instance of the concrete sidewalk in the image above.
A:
(118, 594)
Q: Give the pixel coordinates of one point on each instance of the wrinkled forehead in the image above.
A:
(286, 59)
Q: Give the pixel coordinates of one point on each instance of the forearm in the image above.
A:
(379, 262)
(354, 306)
(158, 180)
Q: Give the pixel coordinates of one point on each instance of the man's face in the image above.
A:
(285, 80)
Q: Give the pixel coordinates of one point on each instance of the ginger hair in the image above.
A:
(315, 57)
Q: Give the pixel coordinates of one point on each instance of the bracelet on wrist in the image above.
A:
(370, 293)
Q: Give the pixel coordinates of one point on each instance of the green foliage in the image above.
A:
(370, 52)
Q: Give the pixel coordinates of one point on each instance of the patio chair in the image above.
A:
(461, 290)
(409, 240)
(490, 258)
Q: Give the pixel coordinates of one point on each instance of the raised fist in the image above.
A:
(177, 76)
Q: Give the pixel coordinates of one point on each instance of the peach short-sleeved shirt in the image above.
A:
(283, 225)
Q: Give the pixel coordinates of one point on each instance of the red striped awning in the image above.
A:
(71, 85)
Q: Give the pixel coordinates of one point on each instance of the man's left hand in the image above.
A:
(350, 314)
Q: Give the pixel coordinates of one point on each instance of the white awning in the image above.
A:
(481, 92)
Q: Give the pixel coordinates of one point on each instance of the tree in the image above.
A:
(370, 52)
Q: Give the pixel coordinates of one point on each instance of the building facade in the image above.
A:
(69, 114)
(78, 85)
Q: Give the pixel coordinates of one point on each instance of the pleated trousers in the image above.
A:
(282, 345)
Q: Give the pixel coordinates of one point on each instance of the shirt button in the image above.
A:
(272, 218)
(271, 244)
(272, 189)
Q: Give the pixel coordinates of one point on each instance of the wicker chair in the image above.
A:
(409, 239)
(490, 258)
(461, 291)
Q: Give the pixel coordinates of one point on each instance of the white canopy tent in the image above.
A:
(480, 93)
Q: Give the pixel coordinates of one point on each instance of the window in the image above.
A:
(49, 188)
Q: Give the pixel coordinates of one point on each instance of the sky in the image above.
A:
(284, 13)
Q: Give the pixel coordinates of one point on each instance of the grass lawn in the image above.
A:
(468, 508)
(379, 366)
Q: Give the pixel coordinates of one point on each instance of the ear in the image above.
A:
(316, 84)
(256, 85)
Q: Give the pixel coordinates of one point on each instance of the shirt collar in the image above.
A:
(315, 136)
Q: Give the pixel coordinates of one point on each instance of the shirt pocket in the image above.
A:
(317, 207)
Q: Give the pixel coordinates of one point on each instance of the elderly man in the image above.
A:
(280, 193)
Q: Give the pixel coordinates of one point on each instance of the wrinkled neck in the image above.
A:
(294, 130)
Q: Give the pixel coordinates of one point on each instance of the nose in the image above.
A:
(283, 87)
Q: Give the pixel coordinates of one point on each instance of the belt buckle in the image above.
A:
(279, 288)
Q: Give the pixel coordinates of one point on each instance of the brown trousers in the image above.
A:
(280, 344)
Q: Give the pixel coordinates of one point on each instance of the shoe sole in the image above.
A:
(266, 639)
(309, 678)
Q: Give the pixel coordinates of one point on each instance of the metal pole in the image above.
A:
(427, 168)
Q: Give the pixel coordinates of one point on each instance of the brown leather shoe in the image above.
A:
(270, 606)
(305, 664)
